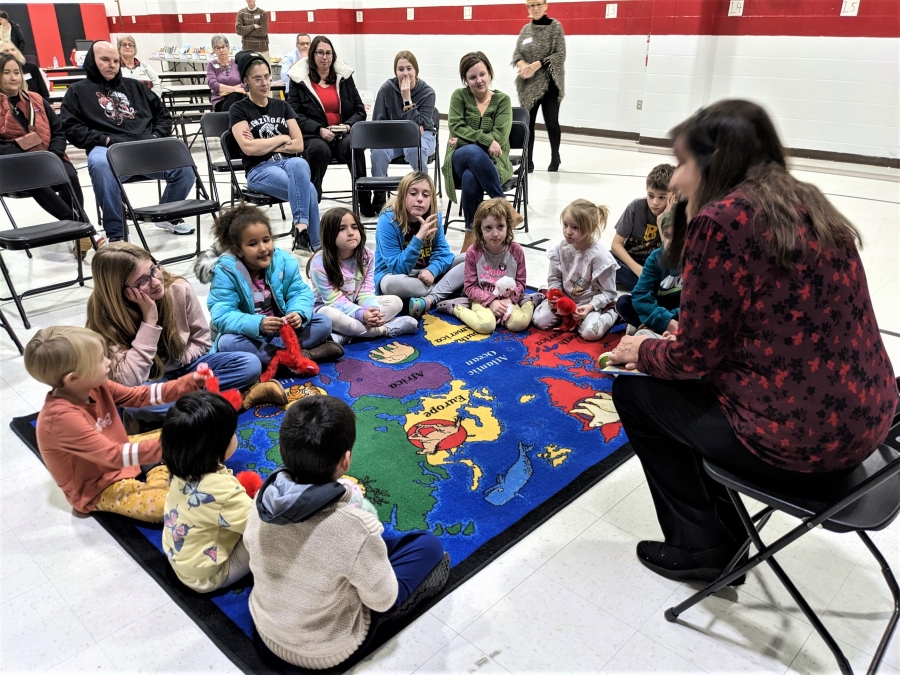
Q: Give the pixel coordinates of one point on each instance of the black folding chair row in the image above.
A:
(29, 171)
(377, 136)
(435, 157)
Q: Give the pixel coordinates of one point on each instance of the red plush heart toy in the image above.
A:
(251, 482)
(233, 396)
(565, 307)
(291, 357)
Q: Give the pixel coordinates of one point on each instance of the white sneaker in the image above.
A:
(607, 321)
(402, 325)
(175, 228)
(340, 339)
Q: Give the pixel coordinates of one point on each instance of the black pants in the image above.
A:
(625, 306)
(319, 153)
(228, 101)
(56, 200)
(672, 426)
(550, 107)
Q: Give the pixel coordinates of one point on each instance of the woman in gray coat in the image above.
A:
(540, 57)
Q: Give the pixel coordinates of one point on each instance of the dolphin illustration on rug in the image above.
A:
(509, 484)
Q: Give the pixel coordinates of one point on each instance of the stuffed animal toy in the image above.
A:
(291, 357)
(565, 307)
(251, 482)
(233, 396)
(503, 289)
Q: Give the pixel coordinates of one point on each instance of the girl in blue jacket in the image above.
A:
(256, 288)
(412, 257)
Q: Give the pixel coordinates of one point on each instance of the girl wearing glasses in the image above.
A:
(328, 104)
(155, 325)
(133, 68)
(540, 58)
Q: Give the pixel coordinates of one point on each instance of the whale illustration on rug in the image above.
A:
(509, 483)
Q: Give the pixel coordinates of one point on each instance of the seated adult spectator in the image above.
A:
(778, 372)
(105, 108)
(480, 120)
(133, 68)
(300, 52)
(34, 78)
(404, 97)
(222, 76)
(22, 110)
(270, 139)
(10, 30)
(328, 105)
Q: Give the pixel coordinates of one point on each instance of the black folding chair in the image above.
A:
(379, 135)
(435, 157)
(29, 171)
(522, 116)
(11, 332)
(152, 156)
(213, 125)
(232, 152)
(868, 499)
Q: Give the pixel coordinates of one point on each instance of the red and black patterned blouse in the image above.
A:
(794, 355)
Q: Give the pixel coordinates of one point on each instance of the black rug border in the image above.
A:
(249, 654)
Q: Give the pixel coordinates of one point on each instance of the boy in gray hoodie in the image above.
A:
(323, 569)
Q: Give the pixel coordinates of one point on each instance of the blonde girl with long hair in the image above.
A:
(584, 270)
(412, 258)
(154, 324)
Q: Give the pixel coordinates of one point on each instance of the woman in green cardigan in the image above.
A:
(478, 151)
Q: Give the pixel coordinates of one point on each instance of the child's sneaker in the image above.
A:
(430, 586)
(447, 306)
(402, 325)
(535, 298)
(417, 307)
(341, 339)
(325, 352)
(607, 321)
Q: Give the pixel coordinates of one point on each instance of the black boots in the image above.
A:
(554, 163)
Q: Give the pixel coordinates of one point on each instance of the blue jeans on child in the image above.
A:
(625, 277)
(265, 347)
(413, 556)
(625, 306)
(289, 179)
(477, 175)
(234, 370)
(106, 191)
(382, 157)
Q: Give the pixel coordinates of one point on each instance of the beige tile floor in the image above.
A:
(569, 598)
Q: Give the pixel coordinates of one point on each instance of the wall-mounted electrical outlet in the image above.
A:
(640, 105)
(180, 19)
(133, 19)
(410, 14)
(208, 19)
(309, 17)
(736, 8)
(358, 17)
(612, 11)
(272, 15)
(850, 7)
(467, 13)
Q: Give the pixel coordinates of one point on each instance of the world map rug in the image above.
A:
(476, 438)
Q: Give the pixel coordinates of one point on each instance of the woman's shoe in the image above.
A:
(554, 163)
(324, 353)
(301, 241)
(530, 167)
(687, 564)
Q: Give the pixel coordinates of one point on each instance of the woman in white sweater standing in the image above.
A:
(540, 58)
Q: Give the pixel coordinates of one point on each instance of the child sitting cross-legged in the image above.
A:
(493, 261)
(206, 508)
(79, 433)
(321, 564)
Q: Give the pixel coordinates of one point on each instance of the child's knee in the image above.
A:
(544, 317)
(480, 319)
(519, 320)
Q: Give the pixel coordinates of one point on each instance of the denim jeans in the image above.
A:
(477, 175)
(382, 157)
(235, 371)
(288, 179)
(264, 347)
(178, 185)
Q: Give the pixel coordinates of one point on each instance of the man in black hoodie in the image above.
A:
(106, 108)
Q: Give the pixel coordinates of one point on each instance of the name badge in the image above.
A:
(257, 17)
(526, 41)
(259, 297)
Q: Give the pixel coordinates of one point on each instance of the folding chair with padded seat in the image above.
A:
(153, 156)
(29, 171)
(379, 135)
(867, 499)
(435, 157)
(232, 150)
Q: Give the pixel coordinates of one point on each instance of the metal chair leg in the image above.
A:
(895, 594)
(15, 296)
(12, 333)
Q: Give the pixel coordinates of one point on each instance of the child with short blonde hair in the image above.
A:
(583, 270)
(79, 433)
(493, 257)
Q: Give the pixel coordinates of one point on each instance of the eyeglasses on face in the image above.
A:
(144, 282)
(324, 55)
(128, 44)
(261, 79)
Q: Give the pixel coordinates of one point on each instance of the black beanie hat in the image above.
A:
(245, 58)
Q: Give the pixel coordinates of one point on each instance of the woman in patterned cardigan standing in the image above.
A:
(540, 57)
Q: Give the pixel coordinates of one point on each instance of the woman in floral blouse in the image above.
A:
(778, 371)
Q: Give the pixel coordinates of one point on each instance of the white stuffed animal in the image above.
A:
(503, 289)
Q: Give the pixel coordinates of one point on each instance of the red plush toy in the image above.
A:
(565, 307)
(233, 396)
(291, 357)
(251, 482)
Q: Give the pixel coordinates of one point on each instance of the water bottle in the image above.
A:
(55, 62)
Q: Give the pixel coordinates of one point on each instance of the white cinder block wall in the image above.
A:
(827, 93)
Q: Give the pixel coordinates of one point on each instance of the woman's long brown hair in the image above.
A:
(118, 319)
(736, 146)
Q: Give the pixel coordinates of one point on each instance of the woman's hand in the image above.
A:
(494, 149)
(627, 351)
(523, 69)
(147, 305)
(452, 142)
(427, 227)
(426, 277)
(295, 320)
(326, 134)
(499, 307)
(373, 317)
(582, 311)
(271, 324)
(672, 327)
(405, 83)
